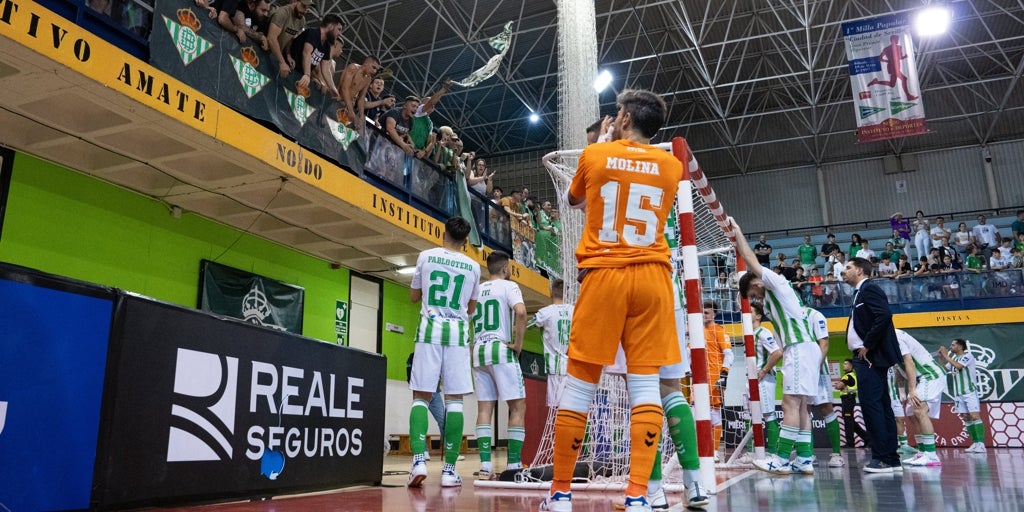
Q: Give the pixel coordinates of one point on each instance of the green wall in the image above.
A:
(70, 224)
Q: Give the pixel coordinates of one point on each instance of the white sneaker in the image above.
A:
(484, 474)
(717, 458)
(836, 461)
(657, 499)
(417, 474)
(919, 460)
(637, 504)
(931, 459)
(557, 502)
(773, 464)
(450, 479)
(695, 496)
(804, 465)
(980, 448)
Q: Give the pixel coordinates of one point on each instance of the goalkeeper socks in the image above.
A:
(453, 423)
(418, 426)
(483, 442)
(787, 438)
(772, 427)
(570, 429)
(832, 425)
(644, 429)
(682, 429)
(516, 436)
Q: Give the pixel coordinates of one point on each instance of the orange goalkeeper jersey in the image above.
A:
(717, 343)
(629, 188)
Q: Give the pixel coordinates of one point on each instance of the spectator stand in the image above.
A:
(124, 23)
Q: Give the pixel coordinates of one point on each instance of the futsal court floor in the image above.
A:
(991, 482)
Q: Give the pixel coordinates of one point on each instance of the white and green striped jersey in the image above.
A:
(764, 346)
(963, 380)
(894, 390)
(924, 362)
(449, 280)
(819, 329)
(493, 322)
(555, 320)
(783, 307)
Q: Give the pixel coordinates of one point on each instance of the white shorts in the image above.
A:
(967, 403)
(898, 409)
(930, 392)
(824, 394)
(556, 383)
(499, 381)
(449, 364)
(766, 387)
(801, 367)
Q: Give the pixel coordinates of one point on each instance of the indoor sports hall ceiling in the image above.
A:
(753, 84)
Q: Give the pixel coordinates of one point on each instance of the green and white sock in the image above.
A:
(453, 424)
(418, 426)
(483, 442)
(516, 436)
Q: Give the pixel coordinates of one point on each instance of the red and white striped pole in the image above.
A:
(756, 416)
(701, 391)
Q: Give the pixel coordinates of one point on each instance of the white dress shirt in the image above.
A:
(853, 340)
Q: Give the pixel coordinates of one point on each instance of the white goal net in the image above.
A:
(603, 460)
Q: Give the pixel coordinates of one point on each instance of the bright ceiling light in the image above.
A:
(603, 80)
(406, 270)
(534, 117)
(932, 21)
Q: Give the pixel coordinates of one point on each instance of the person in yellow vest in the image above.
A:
(847, 387)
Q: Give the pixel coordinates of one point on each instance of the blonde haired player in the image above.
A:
(496, 371)
(627, 188)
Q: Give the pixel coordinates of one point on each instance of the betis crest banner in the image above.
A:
(883, 76)
(250, 297)
(998, 351)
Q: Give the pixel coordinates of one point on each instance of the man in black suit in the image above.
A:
(872, 339)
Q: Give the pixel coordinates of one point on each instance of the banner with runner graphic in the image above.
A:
(883, 76)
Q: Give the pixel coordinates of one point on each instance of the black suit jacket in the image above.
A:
(873, 322)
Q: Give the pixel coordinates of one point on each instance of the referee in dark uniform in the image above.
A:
(847, 387)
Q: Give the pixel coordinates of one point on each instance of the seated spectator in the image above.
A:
(247, 19)
(376, 103)
(887, 267)
(998, 262)
(973, 262)
(948, 250)
(923, 267)
(1016, 260)
(890, 253)
(286, 22)
(309, 49)
(855, 245)
(903, 268)
(934, 256)
(421, 133)
(398, 121)
(1006, 248)
(865, 251)
(1020, 242)
(353, 84)
(897, 241)
(961, 239)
